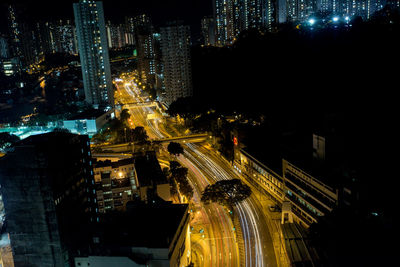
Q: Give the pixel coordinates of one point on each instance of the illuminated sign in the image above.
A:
(235, 141)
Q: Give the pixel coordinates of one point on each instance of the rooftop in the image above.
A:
(87, 114)
(296, 148)
(113, 164)
(152, 226)
(148, 170)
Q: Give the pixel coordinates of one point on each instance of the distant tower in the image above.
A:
(93, 51)
(208, 31)
(146, 49)
(224, 16)
(175, 47)
(280, 12)
(15, 37)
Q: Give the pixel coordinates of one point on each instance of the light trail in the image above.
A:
(203, 170)
(246, 210)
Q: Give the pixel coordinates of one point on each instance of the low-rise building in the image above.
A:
(303, 181)
(260, 175)
(115, 183)
(88, 122)
(310, 198)
(146, 234)
(150, 177)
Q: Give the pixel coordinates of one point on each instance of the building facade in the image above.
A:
(115, 183)
(63, 36)
(234, 16)
(310, 198)
(49, 199)
(261, 176)
(226, 18)
(4, 50)
(93, 52)
(208, 31)
(176, 60)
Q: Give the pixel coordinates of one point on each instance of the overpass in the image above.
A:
(128, 147)
(193, 138)
(138, 104)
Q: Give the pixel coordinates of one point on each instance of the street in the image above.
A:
(214, 235)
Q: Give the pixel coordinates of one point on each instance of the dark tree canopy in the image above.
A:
(175, 148)
(61, 130)
(226, 192)
(178, 176)
(139, 135)
(124, 115)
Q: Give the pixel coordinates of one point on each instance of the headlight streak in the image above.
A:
(246, 212)
(202, 165)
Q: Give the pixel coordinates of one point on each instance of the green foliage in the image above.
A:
(117, 131)
(226, 192)
(178, 176)
(175, 148)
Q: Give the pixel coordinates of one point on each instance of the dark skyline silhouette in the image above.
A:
(190, 11)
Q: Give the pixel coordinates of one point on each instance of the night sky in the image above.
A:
(190, 11)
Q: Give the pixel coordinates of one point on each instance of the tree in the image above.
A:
(173, 165)
(124, 116)
(175, 148)
(139, 135)
(7, 140)
(61, 130)
(178, 176)
(186, 189)
(226, 192)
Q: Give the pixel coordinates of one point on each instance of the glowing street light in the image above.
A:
(335, 19)
(311, 21)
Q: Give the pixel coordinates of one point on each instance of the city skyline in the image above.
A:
(190, 133)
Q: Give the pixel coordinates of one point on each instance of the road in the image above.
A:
(214, 240)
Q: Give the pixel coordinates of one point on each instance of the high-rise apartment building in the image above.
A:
(208, 31)
(14, 32)
(146, 49)
(118, 35)
(234, 16)
(93, 51)
(224, 15)
(280, 11)
(175, 48)
(47, 200)
(362, 8)
(45, 37)
(64, 37)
